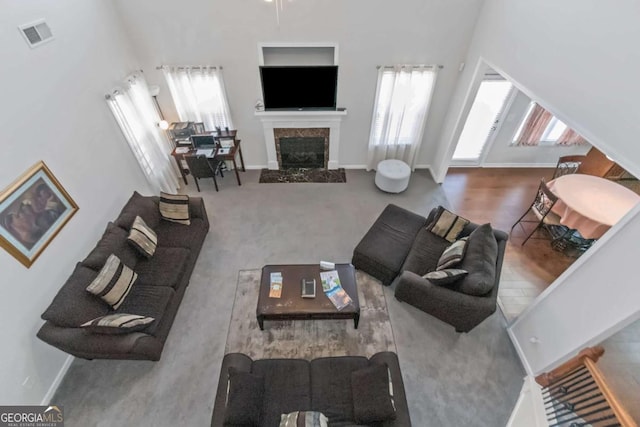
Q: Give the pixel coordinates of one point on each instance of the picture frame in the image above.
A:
(33, 210)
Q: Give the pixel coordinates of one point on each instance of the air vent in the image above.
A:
(36, 33)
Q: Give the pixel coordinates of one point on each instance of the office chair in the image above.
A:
(203, 167)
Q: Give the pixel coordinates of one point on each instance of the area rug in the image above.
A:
(309, 339)
(302, 175)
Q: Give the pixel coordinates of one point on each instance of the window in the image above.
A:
(540, 127)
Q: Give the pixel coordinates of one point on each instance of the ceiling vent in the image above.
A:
(36, 33)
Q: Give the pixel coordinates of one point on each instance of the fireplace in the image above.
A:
(302, 147)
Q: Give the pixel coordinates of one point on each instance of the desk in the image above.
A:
(591, 204)
(236, 149)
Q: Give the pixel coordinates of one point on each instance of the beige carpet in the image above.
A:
(309, 339)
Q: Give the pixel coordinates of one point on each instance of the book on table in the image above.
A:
(275, 287)
(333, 289)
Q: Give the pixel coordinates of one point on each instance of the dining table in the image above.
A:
(591, 204)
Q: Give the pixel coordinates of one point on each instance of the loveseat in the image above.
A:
(323, 385)
(158, 291)
(400, 249)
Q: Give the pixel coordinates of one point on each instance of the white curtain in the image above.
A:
(402, 103)
(137, 116)
(199, 95)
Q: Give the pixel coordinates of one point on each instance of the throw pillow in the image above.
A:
(446, 276)
(480, 261)
(175, 208)
(113, 282)
(304, 419)
(143, 238)
(453, 254)
(244, 401)
(371, 399)
(121, 323)
(447, 225)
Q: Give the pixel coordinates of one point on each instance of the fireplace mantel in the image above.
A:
(301, 119)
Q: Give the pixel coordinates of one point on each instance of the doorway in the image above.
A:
(483, 120)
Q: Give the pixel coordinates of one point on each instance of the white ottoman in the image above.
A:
(392, 176)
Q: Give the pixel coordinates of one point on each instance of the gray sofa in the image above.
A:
(398, 249)
(322, 385)
(158, 291)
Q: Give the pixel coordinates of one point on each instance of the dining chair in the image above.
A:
(568, 165)
(569, 241)
(203, 167)
(541, 210)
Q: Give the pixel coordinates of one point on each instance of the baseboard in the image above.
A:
(353, 166)
(517, 165)
(422, 167)
(57, 380)
(255, 167)
(516, 345)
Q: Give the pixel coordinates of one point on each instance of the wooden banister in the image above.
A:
(592, 353)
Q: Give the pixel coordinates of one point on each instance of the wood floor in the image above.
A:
(500, 196)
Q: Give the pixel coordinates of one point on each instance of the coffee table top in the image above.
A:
(291, 301)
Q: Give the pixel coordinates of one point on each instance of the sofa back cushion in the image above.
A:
(139, 205)
(113, 241)
(425, 252)
(480, 261)
(287, 387)
(73, 305)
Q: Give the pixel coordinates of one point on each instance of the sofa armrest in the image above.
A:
(239, 361)
(399, 396)
(456, 308)
(197, 209)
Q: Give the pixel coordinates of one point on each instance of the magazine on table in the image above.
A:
(330, 280)
(333, 289)
(275, 288)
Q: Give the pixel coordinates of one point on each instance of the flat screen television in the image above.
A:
(299, 87)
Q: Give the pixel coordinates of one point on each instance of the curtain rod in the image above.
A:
(403, 66)
(183, 67)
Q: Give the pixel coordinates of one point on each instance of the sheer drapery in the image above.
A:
(134, 111)
(402, 103)
(199, 95)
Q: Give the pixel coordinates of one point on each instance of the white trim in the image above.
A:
(46, 399)
(516, 345)
(519, 165)
(422, 167)
(255, 167)
(353, 166)
(261, 47)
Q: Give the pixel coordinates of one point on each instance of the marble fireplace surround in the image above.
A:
(301, 133)
(302, 123)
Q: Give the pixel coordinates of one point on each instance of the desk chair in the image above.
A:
(568, 165)
(202, 167)
(541, 208)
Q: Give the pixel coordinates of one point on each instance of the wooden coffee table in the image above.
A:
(291, 305)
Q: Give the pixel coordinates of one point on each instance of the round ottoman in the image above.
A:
(393, 176)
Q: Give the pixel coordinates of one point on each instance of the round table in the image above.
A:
(591, 204)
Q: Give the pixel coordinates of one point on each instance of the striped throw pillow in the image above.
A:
(175, 208)
(303, 419)
(121, 323)
(113, 282)
(143, 238)
(447, 224)
(446, 276)
(453, 254)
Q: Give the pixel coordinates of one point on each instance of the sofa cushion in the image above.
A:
(166, 268)
(425, 252)
(372, 401)
(113, 241)
(117, 323)
(453, 254)
(142, 238)
(480, 261)
(73, 305)
(178, 236)
(304, 419)
(245, 398)
(114, 282)
(287, 387)
(447, 225)
(139, 205)
(174, 208)
(445, 276)
(149, 301)
(331, 379)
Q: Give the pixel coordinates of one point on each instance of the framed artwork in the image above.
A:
(32, 211)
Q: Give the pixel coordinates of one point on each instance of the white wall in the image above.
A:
(368, 34)
(579, 59)
(53, 109)
(503, 154)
